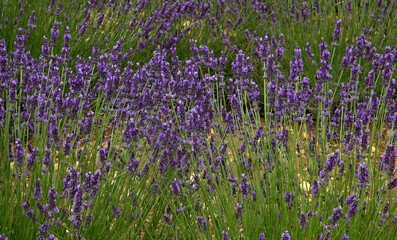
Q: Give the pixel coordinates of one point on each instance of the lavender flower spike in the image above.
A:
(337, 31)
(285, 236)
(38, 191)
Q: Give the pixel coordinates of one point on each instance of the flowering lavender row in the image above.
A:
(152, 134)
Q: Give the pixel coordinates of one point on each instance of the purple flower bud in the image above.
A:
(309, 51)
(51, 205)
(54, 34)
(197, 205)
(345, 237)
(43, 229)
(83, 26)
(181, 209)
(285, 236)
(349, 7)
(303, 221)
(47, 158)
(167, 219)
(45, 49)
(31, 159)
(296, 66)
(289, 198)
(225, 235)
(175, 188)
(362, 173)
(19, 153)
(32, 19)
(392, 184)
(239, 211)
(38, 191)
(337, 31)
(253, 194)
(336, 215)
(116, 211)
(244, 186)
(202, 223)
(29, 212)
(88, 220)
(315, 188)
(388, 159)
(384, 214)
(353, 205)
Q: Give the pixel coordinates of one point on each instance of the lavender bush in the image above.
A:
(198, 120)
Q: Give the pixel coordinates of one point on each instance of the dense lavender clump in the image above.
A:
(196, 119)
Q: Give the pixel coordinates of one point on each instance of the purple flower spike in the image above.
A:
(336, 215)
(308, 49)
(244, 186)
(296, 66)
(285, 236)
(392, 184)
(175, 188)
(225, 235)
(202, 223)
(353, 205)
(337, 31)
(116, 211)
(45, 48)
(19, 153)
(239, 211)
(47, 159)
(384, 214)
(43, 229)
(51, 205)
(362, 174)
(289, 198)
(167, 219)
(31, 159)
(55, 34)
(38, 191)
(388, 159)
(345, 237)
(88, 220)
(29, 212)
(303, 221)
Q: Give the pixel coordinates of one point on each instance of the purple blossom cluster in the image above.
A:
(106, 125)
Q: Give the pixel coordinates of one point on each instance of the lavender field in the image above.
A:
(222, 119)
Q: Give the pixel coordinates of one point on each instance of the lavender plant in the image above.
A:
(198, 120)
